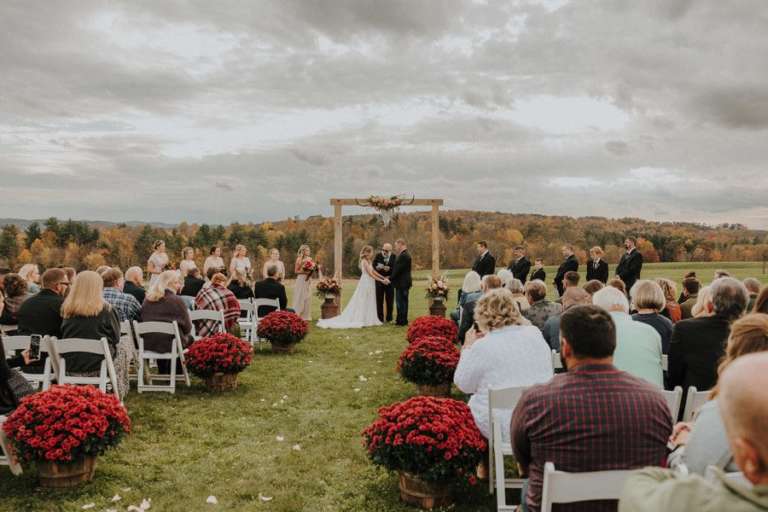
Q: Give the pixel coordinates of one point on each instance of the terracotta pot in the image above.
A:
(221, 382)
(439, 390)
(58, 476)
(330, 307)
(283, 349)
(426, 495)
(437, 307)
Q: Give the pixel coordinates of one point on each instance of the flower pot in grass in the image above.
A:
(437, 307)
(283, 330)
(218, 359)
(432, 443)
(329, 289)
(63, 430)
(437, 293)
(432, 326)
(430, 363)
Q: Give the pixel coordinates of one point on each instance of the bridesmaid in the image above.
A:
(274, 259)
(240, 262)
(157, 262)
(214, 261)
(187, 261)
(301, 291)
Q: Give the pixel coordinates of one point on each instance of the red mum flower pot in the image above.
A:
(218, 360)
(430, 363)
(283, 330)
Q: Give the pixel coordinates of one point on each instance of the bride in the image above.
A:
(361, 309)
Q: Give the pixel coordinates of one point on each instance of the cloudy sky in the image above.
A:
(214, 111)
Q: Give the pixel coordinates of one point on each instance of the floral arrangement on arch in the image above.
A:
(66, 423)
(328, 286)
(432, 326)
(282, 328)
(433, 438)
(437, 288)
(220, 353)
(385, 203)
(429, 361)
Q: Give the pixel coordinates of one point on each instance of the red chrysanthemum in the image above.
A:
(220, 353)
(430, 360)
(282, 328)
(432, 326)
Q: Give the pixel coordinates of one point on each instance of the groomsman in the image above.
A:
(383, 264)
(521, 266)
(631, 264)
(597, 268)
(570, 264)
(485, 264)
(402, 281)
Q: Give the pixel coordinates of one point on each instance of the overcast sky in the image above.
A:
(216, 111)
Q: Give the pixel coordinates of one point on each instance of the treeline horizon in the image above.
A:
(87, 245)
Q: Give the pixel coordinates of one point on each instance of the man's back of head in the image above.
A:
(729, 298)
(587, 333)
(112, 278)
(51, 278)
(491, 282)
(134, 275)
(611, 299)
(571, 279)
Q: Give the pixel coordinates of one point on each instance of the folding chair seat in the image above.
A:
(107, 375)
(176, 353)
(207, 314)
(562, 487)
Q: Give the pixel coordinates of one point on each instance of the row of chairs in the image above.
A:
(249, 316)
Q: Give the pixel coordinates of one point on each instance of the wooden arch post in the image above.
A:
(338, 204)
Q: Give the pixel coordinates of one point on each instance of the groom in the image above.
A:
(401, 280)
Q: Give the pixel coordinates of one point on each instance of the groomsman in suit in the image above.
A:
(596, 267)
(485, 264)
(383, 264)
(538, 271)
(631, 264)
(521, 266)
(571, 264)
(402, 281)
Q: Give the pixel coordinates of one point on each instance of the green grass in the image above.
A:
(195, 444)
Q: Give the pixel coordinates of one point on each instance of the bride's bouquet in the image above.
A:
(437, 288)
(328, 286)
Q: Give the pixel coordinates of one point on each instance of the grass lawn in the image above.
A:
(195, 444)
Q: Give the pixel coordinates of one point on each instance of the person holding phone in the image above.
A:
(13, 385)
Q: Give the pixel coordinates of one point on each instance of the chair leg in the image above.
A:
(140, 379)
(172, 383)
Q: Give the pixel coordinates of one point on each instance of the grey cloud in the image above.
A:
(617, 147)
(739, 106)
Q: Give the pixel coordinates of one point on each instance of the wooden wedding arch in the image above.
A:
(338, 204)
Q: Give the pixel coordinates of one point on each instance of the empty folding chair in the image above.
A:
(207, 314)
(107, 374)
(246, 323)
(7, 455)
(674, 400)
(273, 304)
(693, 402)
(562, 487)
(176, 352)
(506, 398)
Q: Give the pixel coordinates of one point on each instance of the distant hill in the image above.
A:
(24, 223)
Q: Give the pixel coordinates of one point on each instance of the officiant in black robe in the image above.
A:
(384, 263)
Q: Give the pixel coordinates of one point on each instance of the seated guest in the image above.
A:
(518, 293)
(753, 288)
(15, 289)
(506, 352)
(703, 298)
(488, 283)
(31, 274)
(570, 280)
(41, 314)
(688, 275)
(102, 268)
(671, 307)
(594, 417)
(744, 409)
(690, 294)
(704, 443)
(87, 315)
(469, 292)
(538, 271)
(270, 288)
(506, 277)
(648, 300)
(215, 296)
(638, 346)
(593, 286)
(4, 271)
(192, 283)
(721, 273)
(597, 268)
(698, 344)
(163, 305)
(134, 278)
(616, 282)
(13, 385)
(126, 305)
(239, 285)
(540, 308)
(761, 304)
(572, 297)
(70, 272)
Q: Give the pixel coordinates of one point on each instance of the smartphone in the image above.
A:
(34, 347)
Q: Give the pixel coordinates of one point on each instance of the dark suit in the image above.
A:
(270, 289)
(40, 314)
(570, 264)
(599, 271)
(192, 286)
(485, 265)
(629, 268)
(384, 292)
(137, 291)
(402, 281)
(539, 274)
(696, 346)
(520, 268)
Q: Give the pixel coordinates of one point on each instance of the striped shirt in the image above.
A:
(126, 305)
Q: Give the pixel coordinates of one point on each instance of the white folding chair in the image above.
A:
(711, 474)
(7, 455)
(246, 323)
(7, 329)
(36, 380)
(674, 400)
(207, 314)
(557, 363)
(665, 362)
(693, 402)
(177, 352)
(261, 303)
(505, 398)
(126, 335)
(562, 487)
(107, 374)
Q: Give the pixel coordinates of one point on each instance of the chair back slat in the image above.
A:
(562, 487)
(674, 400)
(14, 343)
(142, 328)
(505, 398)
(693, 402)
(69, 345)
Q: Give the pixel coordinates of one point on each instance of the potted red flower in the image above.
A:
(429, 363)
(63, 430)
(432, 326)
(432, 442)
(283, 330)
(218, 359)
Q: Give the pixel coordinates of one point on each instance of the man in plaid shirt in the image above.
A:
(592, 418)
(215, 296)
(127, 307)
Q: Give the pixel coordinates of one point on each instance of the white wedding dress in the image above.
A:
(361, 309)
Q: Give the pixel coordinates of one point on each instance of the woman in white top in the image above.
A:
(506, 352)
(157, 262)
(214, 261)
(240, 262)
(187, 262)
(274, 259)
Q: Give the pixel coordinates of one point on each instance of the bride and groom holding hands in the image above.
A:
(382, 277)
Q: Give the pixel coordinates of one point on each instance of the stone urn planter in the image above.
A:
(59, 476)
(330, 306)
(439, 390)
(437, 307)
(426, 495)
(221, 382)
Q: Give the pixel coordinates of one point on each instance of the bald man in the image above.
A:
(744, 407)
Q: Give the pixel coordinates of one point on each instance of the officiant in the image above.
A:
(383, 263)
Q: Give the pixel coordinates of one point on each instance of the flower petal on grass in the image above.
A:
(88, 506)
(279, 439)
(265, 499)
(212, 500)
(296, 448)
(116, 498)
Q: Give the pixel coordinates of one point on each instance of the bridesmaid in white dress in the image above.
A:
(240, 262)
(188, 261)
(157, 262)
(213, 261)
(274, 259)
(301, 290)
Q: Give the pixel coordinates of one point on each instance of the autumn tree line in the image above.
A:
(84, 245)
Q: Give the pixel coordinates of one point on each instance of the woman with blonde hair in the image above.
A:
(238, 284)
(648, 300)
(302, 292)
(469, 292)
(157, 261)
(506, 351)
(361, 308)
(240, 261)
(671, 308)
(702, 299)
(187, 261)
(87, 315)
(31, 274)
(274, 259)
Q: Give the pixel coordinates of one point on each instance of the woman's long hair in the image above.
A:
(749, 334)
(366, 252)
(85, 297)
(163, 282)
(7, 396)
(304, 247)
